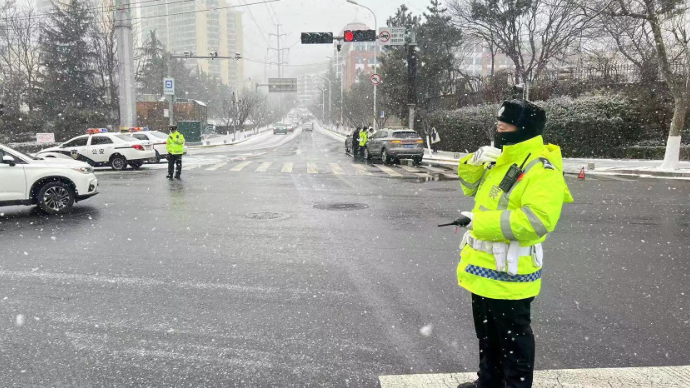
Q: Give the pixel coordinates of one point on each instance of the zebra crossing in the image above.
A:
(345, 169)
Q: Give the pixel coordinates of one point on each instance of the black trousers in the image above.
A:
(174, 160)
(506, 342)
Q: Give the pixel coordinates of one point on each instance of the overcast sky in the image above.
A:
(296, 16)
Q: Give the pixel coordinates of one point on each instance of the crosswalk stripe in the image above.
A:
(312, 169)
(264, 167)
(336, 169)
(410, 169)
(423, 175)
(217, 166)
(361, 170)
(190, 167)
(287, 167)
(666, 376)
(240, 166)
(442, 172)
(388, 170)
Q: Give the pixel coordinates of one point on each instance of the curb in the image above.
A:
(229, 144)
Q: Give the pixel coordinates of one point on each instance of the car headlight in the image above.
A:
(83, 170)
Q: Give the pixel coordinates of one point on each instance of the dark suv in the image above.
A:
(391, 145)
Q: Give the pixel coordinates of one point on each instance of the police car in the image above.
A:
(102, 148)
(158, 140)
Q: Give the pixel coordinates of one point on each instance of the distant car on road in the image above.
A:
(53, 184)
(101, 148)
(158, 139)
(308, 126)
(392, 145)
(280, 128)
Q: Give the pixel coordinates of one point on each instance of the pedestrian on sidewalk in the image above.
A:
(175, 147)
(519, 192)
(355, 143)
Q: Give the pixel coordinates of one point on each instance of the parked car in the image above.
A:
(101, 148)
(392, 145)
(53, 184)
(158, 139)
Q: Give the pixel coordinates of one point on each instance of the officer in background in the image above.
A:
(175, 147)
(363, 139)
(519, 191)
(355, 143)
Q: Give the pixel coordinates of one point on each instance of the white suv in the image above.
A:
(52, 184)
(97, 148)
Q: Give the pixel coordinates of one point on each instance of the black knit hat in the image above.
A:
(526, 116)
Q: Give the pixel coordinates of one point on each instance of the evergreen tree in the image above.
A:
(70, 97)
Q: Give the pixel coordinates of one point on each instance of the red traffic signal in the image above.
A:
(349, 36)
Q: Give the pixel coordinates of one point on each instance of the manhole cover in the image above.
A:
(265, 216)
(443, 189)
(341, 206)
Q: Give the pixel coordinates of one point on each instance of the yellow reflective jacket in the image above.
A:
(526, 214)
(363, 138)
(175, 143)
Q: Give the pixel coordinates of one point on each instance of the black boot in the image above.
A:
(169, 176)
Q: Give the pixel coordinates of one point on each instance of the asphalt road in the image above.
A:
(294, 272)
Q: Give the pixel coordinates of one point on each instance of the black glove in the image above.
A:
(462, 222)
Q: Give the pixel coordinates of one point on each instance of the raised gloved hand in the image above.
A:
(485, 154)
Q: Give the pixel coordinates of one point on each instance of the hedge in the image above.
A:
(601, 126)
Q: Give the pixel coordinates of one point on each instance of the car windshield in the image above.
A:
(405, 135)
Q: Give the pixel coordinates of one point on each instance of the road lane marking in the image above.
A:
(192, 167)
(441, 172)
(361, 170)
(264, 167)
(666, 376)
(287, 167)
(240, 166)
(312, 169)
(388, 170)
(336, 169)
(217, 166)
(423, 175)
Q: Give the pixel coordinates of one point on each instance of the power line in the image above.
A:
(300, 65)
(257, 25)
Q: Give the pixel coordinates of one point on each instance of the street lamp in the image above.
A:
(323, 102)
(376, 50)
(330, 95)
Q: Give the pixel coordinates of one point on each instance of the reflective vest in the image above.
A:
(526, 213)
(363, 138)
(175, 143)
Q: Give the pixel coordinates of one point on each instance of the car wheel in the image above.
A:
(118, 163)
(417, 161)
(55, 198)
(136, 165)
(384, 157)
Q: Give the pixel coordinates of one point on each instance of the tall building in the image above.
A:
(357, 57)
(199, 28)
(307, 89)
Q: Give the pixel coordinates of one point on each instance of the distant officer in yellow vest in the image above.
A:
(519, 191)
(175, 147)
(363, 139)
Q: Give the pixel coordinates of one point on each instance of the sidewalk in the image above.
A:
(231, 139)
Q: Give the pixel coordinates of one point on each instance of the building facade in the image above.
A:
(357, 57)
(197, 28)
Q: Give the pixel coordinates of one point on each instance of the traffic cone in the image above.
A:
(582, 174)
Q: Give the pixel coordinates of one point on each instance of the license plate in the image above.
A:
(148, 147)
(409, 146)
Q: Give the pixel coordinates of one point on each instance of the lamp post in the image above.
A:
(323, 102)
(330, 100)
(376, 50)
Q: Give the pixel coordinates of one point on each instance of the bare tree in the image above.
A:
(105, 47)
(237, 110)
(664, 23)
(532, 33)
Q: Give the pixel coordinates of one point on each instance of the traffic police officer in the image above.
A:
(175, 147)
(363, 139)
(519, 191)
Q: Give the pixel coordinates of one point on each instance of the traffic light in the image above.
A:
(360, 35)
(317, 37)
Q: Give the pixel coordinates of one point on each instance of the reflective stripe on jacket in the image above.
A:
(363, 138)
(526, 213)
(175, 144)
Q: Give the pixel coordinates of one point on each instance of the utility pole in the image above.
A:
(278, 49)
(171, 100)
(411, 82)
(125, 59)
